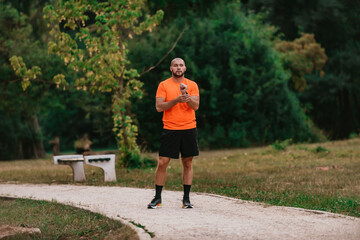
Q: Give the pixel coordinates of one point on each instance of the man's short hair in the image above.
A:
(172, 61)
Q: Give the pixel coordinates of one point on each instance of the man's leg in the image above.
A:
(187, 180)
(187, 170)
(160, 175)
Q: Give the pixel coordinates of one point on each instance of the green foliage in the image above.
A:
(27, 74)
(302, 56)
(333, 98)
(182, 8)
(19, 127)
(90, 39)
(281, 145)
(135, 160)
(353, 135)
(243, 86)
(67, 114)
(219, 52)
(319, 149)
(98, 52)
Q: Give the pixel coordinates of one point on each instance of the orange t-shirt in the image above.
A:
(180, 116)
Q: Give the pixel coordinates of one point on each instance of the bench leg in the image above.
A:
(109, 174)
(107, 166)
(78, 171)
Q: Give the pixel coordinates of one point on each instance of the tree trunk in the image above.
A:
(32, 146)
(38, 146)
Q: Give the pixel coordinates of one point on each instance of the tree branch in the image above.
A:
(167, 54)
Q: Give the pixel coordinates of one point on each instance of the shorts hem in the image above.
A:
(170, 157)
(195, 155)
(179, 129)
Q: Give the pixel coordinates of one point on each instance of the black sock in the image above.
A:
(186, 191)
(158, 190)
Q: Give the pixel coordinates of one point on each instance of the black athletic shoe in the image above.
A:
(187, 204)
(156, 202)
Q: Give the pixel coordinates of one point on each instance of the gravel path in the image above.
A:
(213, 217)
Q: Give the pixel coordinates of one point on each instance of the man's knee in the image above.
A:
(187, 162)
(163, 162)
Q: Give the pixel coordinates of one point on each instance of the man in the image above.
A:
(178, 98)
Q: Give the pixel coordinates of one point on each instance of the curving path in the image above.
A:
(213, 217)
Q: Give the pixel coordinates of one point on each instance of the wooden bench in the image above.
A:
(76, 162)
(106, 162)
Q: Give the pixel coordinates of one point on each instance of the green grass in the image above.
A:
(321, 176)
(57, 221)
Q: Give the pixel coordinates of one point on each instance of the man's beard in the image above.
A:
(178, 75)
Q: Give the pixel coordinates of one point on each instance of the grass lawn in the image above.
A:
(321, 176)
(57, 221)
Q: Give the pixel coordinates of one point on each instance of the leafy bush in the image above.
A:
(319, 149)
(133, 160)
(281, 145)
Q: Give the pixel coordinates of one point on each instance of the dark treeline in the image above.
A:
(333, 100)
(247, 97)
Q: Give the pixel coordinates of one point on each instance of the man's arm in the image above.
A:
(194, 102)
(161, 105)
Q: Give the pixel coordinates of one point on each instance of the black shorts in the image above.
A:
(174, 142)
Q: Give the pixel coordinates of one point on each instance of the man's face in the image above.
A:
(178, 68)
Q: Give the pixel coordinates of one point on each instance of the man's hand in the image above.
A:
(183, 98)
(192, 101)
(183, 88)
(161, 105)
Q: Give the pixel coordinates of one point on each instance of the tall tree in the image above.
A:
(302, 56)
(90, 37)
(29, 119)
(19, 126)
(245, 99)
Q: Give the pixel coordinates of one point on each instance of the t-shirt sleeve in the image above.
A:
(161, 91)
(194, 90)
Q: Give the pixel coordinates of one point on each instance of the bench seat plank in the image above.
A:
(70, 160)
